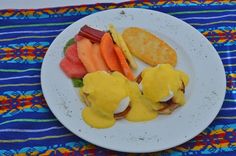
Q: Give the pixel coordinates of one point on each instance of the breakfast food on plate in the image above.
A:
(84, 50)
(141, 107)
(118, 39)
(149, 48)
(92, 34)
(101, 64)
(124, 65)
(103, 93)
(162, 92)
(97, 58)
(162, 81)
(121, 99)
(90, 55)
(108, 53)
(164, 84)
(71, 64)
(92, 50)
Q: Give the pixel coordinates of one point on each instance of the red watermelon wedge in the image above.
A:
(72, 55)
(71, 64)
(72, 70)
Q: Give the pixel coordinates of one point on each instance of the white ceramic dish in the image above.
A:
(196, 56)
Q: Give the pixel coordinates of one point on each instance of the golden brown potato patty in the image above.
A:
(149, 48)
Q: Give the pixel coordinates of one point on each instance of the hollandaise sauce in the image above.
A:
(103, 92)
(141, 107)
(161, 81)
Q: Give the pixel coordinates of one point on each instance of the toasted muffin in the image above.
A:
(149, 48)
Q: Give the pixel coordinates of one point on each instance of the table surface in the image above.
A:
(26, 123)
(24, 4)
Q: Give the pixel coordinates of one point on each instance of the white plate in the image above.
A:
(196, 56)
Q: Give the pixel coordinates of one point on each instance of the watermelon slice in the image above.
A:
(71, 53)
(72, 70)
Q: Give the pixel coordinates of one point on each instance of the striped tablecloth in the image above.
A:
(27, 126)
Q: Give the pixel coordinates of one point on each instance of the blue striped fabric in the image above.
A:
(28, 127)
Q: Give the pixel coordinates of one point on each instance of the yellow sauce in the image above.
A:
(158, 82)
(141, 107)
(96, 119)
(104, 93)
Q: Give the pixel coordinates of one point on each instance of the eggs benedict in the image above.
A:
(141, 107)
(103, 93)
(163, 84)
(111, 96)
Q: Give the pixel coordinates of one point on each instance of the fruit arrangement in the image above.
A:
(94, 50)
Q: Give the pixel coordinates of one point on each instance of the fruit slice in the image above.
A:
(89, 36)
(68, 43)
(108, 53)
(94, 32)
(124, 65)
(71, 53)
(94, 35)
(78, 37)
(98, 59)
(72, 70)
(114, 34)
(118, 39)
(84, 50)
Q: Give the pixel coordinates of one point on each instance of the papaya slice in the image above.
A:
(124, 65)
(108, 53)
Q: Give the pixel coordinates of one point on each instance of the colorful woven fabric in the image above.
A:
(27, 127)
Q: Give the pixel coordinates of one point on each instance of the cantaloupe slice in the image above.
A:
(98, 59)
(84, 49)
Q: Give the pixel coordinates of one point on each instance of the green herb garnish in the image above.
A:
(68, 43)
(77, 82)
